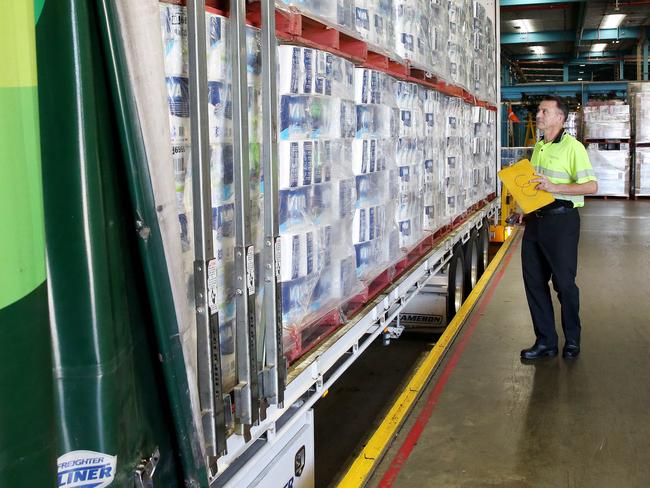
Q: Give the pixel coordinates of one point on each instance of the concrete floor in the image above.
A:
(501, 423)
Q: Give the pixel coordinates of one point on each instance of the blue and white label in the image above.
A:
(87, 469)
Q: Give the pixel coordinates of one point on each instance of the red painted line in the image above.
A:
(414, 434)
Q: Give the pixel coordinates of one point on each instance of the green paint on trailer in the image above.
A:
(109, 393)
(27, 432)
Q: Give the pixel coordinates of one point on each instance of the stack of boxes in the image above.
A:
(316, 183)
(607, 132)
(366, 164)
(375, 235)
(612, 168)
(375, 23)
(511, 155)
(478, 78)
(454, 155)
(607, 120)
(412, 39)
(220, 123)
(410, 163)
(460, 51)
(434, 204)
(639, 97)
(334, 12)
(453, 39)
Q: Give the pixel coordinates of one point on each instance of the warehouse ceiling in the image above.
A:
(572, 40)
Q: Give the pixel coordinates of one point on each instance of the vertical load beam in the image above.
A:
(205, 282)
(247, 389)
(274, 374)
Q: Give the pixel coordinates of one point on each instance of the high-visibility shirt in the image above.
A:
(563, 160)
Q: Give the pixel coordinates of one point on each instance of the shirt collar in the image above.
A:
(558, 137)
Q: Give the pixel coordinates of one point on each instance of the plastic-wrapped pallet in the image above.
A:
(439, 38)
(490, 53)
(412, 33)
(459, 43)
(642, 184)
(316, 187)
(573, 124)
(511, 155)
(333, 12)
(375, 23)
(612, 168)
(490, 168)
(478, 81)
(607, 121)
(639, 100)
(454, 154)
(410, 162)
(374, 232)
(174, 38)
(434, 159)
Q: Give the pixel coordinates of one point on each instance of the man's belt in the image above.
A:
(553, 211)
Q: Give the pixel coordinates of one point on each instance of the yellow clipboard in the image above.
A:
(516, 179)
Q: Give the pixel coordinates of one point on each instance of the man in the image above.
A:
(550, 244)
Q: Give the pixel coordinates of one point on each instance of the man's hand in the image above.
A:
(544, 184)
(515, 219)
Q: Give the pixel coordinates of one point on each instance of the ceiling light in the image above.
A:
(538, 49)
(580, 72)
(616, 41)
(579, 79)
(599, 47)
(550, 80)
(582, 65)
(612, 21)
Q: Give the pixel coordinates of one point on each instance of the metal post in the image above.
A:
(565, 73)
(246, 391)
(208, 353)
(645, 59)
(274, 374)
(621, 69)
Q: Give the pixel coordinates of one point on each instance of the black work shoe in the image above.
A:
(539, 351)
(570, 351)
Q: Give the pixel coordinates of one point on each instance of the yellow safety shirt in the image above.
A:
(563, 160)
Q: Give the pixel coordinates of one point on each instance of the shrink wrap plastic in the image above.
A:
(453, 39)
(642, 171)
(612, 168)
(173, 20)
(367, 165)
(375, 230)
(607, 121)
(317, 189)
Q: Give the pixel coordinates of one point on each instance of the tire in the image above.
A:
(472, 257)
(483, 247)
(455, 282)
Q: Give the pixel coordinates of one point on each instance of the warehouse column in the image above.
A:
(645, 59)
(621, 69)
(565, 73)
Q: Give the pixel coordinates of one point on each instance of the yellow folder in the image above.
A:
(516, 179)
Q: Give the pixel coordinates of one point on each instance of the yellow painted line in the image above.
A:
(364, 464)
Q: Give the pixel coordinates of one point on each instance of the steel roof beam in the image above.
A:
(560, 56)
(514, 3)
(569, 35)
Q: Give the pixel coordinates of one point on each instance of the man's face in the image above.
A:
(549, 116)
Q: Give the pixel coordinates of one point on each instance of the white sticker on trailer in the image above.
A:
(85, 469)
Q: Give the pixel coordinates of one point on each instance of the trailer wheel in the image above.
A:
(472, 260)
(483, 248)
(455, 282)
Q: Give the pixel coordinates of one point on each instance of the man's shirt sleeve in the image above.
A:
(582, 171)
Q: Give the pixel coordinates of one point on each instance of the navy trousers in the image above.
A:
(550, 252)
